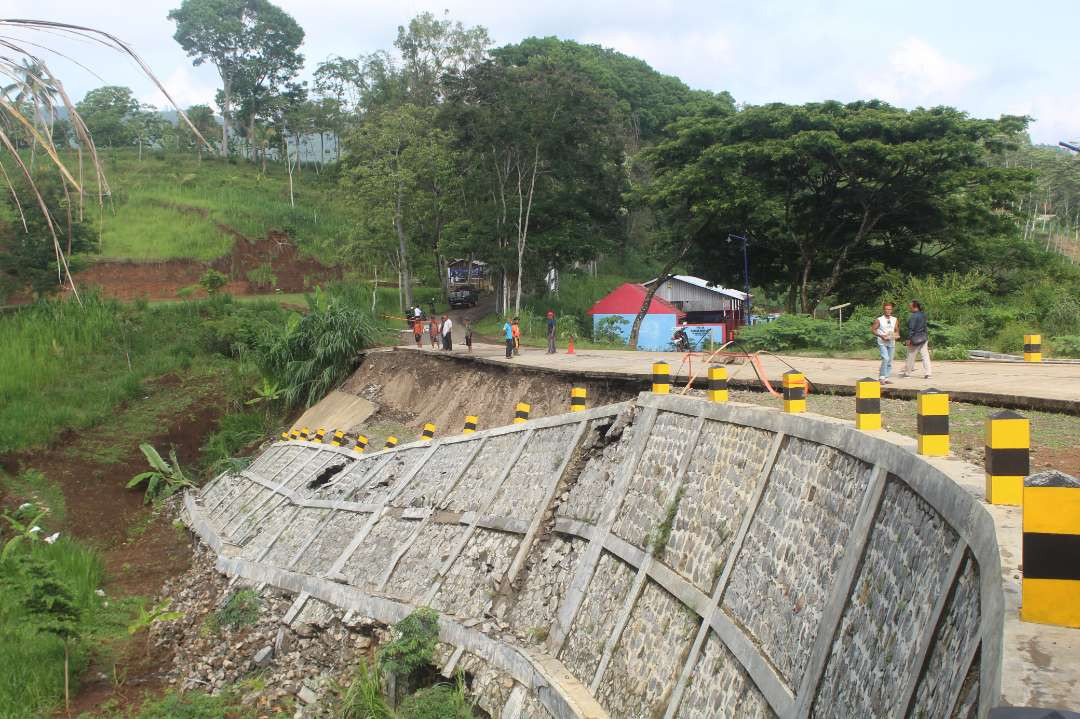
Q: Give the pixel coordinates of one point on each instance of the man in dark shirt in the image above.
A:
(551, 332)
(918, 340)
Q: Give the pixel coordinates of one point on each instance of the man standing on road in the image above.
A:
(418, 332)
(433, 331)
(886, 332)
(551, 332)
(508, 333)
(515, 330)
(447, 326)
(918, 340)
(468, 335)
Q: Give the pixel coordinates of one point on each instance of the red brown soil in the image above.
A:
(130, 280)
(141, 549)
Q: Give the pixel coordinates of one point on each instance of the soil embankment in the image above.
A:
(424, 387)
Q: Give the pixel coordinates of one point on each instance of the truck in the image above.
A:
(463, 297)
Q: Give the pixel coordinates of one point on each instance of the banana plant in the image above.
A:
(23, 532)
(164, 479)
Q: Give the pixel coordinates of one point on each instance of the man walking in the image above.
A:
(918, 341)
(886, 333)
(447, 327)
(508, 333)
(551, 332)
(468, 334)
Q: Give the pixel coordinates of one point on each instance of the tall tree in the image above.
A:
(107, 112)
(204, 121)
(252, 43)
(827, 189)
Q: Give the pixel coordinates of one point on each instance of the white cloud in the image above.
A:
(1057, 117)
(186, 85)
(916, 74)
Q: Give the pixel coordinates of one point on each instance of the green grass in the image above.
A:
(31, 661)
(170, 205)
(70, 367)
(32, 486)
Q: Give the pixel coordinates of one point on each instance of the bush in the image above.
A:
(262, 277)
(212, 281)
(241, 609)
(441, 701)
(413, 644)
(1066, 345)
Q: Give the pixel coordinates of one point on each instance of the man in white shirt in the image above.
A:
(447, 326)
(886, 332)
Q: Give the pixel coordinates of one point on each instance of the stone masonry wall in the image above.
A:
(666, 558)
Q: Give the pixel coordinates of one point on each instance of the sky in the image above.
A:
(986, 57)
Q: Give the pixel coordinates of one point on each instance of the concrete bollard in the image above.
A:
(294, 433)
(867, 404)
(718, 387)
(429, 431)
(933, 423)
(1008, 460)
(339, 439)
(1033, 348)
(1050, 589)
(521, 413)
(470, 424)
(320, 435)
(305, 434)
(285, 436)
(361, 444)
(661, 378)
(794, 392)
(391, 442)
(577, 399)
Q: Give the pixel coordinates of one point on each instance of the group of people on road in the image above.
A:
(886, 329)
(439, 331)
(512, 335)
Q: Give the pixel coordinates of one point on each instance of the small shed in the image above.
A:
(705, 304)
(616, 312)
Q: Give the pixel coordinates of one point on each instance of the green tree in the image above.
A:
(204, 120)
(107, 112)
(28, 253)
(826, 190)
(252, 43)
(398, 171)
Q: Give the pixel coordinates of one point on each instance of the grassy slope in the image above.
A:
(169, 206)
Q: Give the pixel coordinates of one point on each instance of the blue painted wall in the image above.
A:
(655, 331)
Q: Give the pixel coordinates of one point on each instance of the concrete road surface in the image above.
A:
(1052, 387)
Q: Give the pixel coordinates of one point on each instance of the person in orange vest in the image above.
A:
(418, 332)
(516, 329)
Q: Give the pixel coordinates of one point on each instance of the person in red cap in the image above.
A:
(551, 332)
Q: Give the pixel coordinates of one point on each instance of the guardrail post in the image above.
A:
(1050, 589)
(1033, 348)
(867, 404)
(361, 444)
(933, 423)
(391, 442)
(794, 392)
(470, 424)
(521, 413)
(661, 378)
(577, 399)
(429, 432)
(718, 386)
(1008, 457)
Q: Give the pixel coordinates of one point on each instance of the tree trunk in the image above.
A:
(403, 250)
(804, 287)
(664, 276)
(288, 164)
(226, 109)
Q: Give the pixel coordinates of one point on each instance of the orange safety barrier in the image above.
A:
(707, 359)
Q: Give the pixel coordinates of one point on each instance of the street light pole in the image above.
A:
(746, 275)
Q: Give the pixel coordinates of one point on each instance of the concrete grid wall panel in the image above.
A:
(691, 560)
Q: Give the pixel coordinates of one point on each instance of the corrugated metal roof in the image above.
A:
(705, 284)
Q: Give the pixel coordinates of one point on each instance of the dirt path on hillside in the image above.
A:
(141, 548)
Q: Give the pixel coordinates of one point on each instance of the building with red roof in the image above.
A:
(613, 316)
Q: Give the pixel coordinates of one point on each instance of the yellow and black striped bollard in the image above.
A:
(867, 404)
(1008, 457)
(429, 431)
(661, 378)
(932, 423)
(285, 436)
(521, 413)
(1050, 590)
(320, 435)
(340, 439)
(577, 399)
(794, 392)
(294, 433)
(470, 424)
(361, 444)
(1033, 348)
(305, 434)
(391, 442)
(718, 388)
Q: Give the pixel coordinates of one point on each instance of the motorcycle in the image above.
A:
(681, 340)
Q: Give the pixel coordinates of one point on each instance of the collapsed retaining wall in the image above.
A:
(662, 558)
